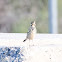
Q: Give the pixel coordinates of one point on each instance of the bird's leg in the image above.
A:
(32, 42)
(28, 45)
(29, 42)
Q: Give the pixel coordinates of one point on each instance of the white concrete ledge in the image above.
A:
(16, 39)
(23, 35)
(44, 47)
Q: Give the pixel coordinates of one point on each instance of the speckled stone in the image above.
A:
(11, 54)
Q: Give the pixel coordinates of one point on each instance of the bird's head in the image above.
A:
(33, 23)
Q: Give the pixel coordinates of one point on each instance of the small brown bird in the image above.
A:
(31, 32)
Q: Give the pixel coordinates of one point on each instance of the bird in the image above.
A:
(31, 31)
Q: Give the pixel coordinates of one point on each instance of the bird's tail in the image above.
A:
(25, 40)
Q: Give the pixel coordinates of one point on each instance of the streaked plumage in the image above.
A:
(31, 32)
